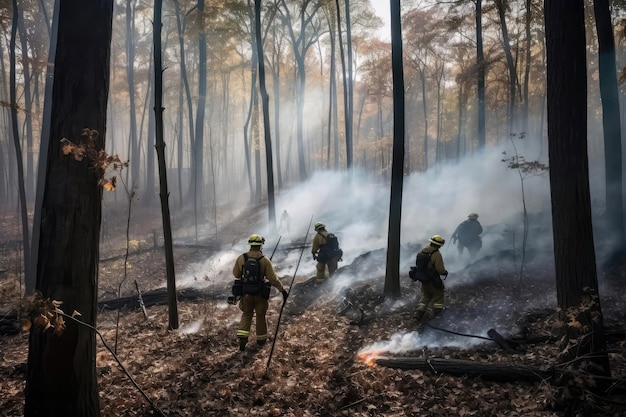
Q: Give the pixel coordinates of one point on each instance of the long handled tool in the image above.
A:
(269, 359)
(276, 247)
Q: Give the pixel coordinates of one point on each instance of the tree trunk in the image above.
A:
(28, 110)
(199, 139)
(43, 149)
(350, 95)
(172, 302)
(574, 253)
(422, 74)
(509, 64)
(480, 84)
(61, 378)
(611, 124)
(265, 102)
(344, 76)
(392, 274)
(185, 79)
(134, 154)
(16, 141)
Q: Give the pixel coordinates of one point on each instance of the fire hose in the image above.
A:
(269, 359)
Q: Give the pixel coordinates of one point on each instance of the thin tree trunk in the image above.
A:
(43, 149)
(480, 85)
(509, 64)
(265, 102)
(172, 302)
(134, 156)
(350, 95)
(16, 142)
(201, 109)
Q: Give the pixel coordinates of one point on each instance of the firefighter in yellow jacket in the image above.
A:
(432, 301)
(318, 241)
(254, 298)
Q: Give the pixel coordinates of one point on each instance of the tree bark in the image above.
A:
(392, 274)
(480, 84)
(574, 253)
(265, 102)
(172, 302)
(16, 141)
(61, 379)
(611, 125)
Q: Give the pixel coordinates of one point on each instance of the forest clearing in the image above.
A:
(318, 367)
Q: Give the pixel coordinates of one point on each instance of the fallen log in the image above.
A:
(156, 297)
(488, 371)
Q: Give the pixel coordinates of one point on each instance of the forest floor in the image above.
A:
(323, 356)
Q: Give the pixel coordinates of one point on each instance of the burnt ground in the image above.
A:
(315, 367)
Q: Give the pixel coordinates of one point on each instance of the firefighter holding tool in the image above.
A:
(429, 267)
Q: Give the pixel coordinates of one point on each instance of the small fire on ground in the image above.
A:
(369, 357)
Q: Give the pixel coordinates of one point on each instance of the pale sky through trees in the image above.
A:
(381, 8)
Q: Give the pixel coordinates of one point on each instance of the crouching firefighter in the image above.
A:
(254, 276)
(429, 267)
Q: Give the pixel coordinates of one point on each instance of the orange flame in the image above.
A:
(369, 357)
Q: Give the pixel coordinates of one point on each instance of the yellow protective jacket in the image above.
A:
(267, 269)
(318, 241)
(436, 259)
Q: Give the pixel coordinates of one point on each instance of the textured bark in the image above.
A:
(574, 253)
(61, 378)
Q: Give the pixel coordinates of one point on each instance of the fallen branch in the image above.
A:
(486, 371)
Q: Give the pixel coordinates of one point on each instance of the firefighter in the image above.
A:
(319, 241)
(252, 301)
(468, 235)
(285, 221)
(432, 301)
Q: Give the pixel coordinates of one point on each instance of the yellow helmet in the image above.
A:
(319, 225)
(472, 216)
(437, 240)
(256, 240)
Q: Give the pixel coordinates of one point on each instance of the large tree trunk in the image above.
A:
(61, 379)
(392, 274)
(611, 124)
(574, 253)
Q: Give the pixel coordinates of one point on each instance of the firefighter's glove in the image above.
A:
(285, 295)
(314, 257)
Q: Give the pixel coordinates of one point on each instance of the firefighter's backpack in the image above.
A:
(251, 281)
(330, 249)
(422, 271)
